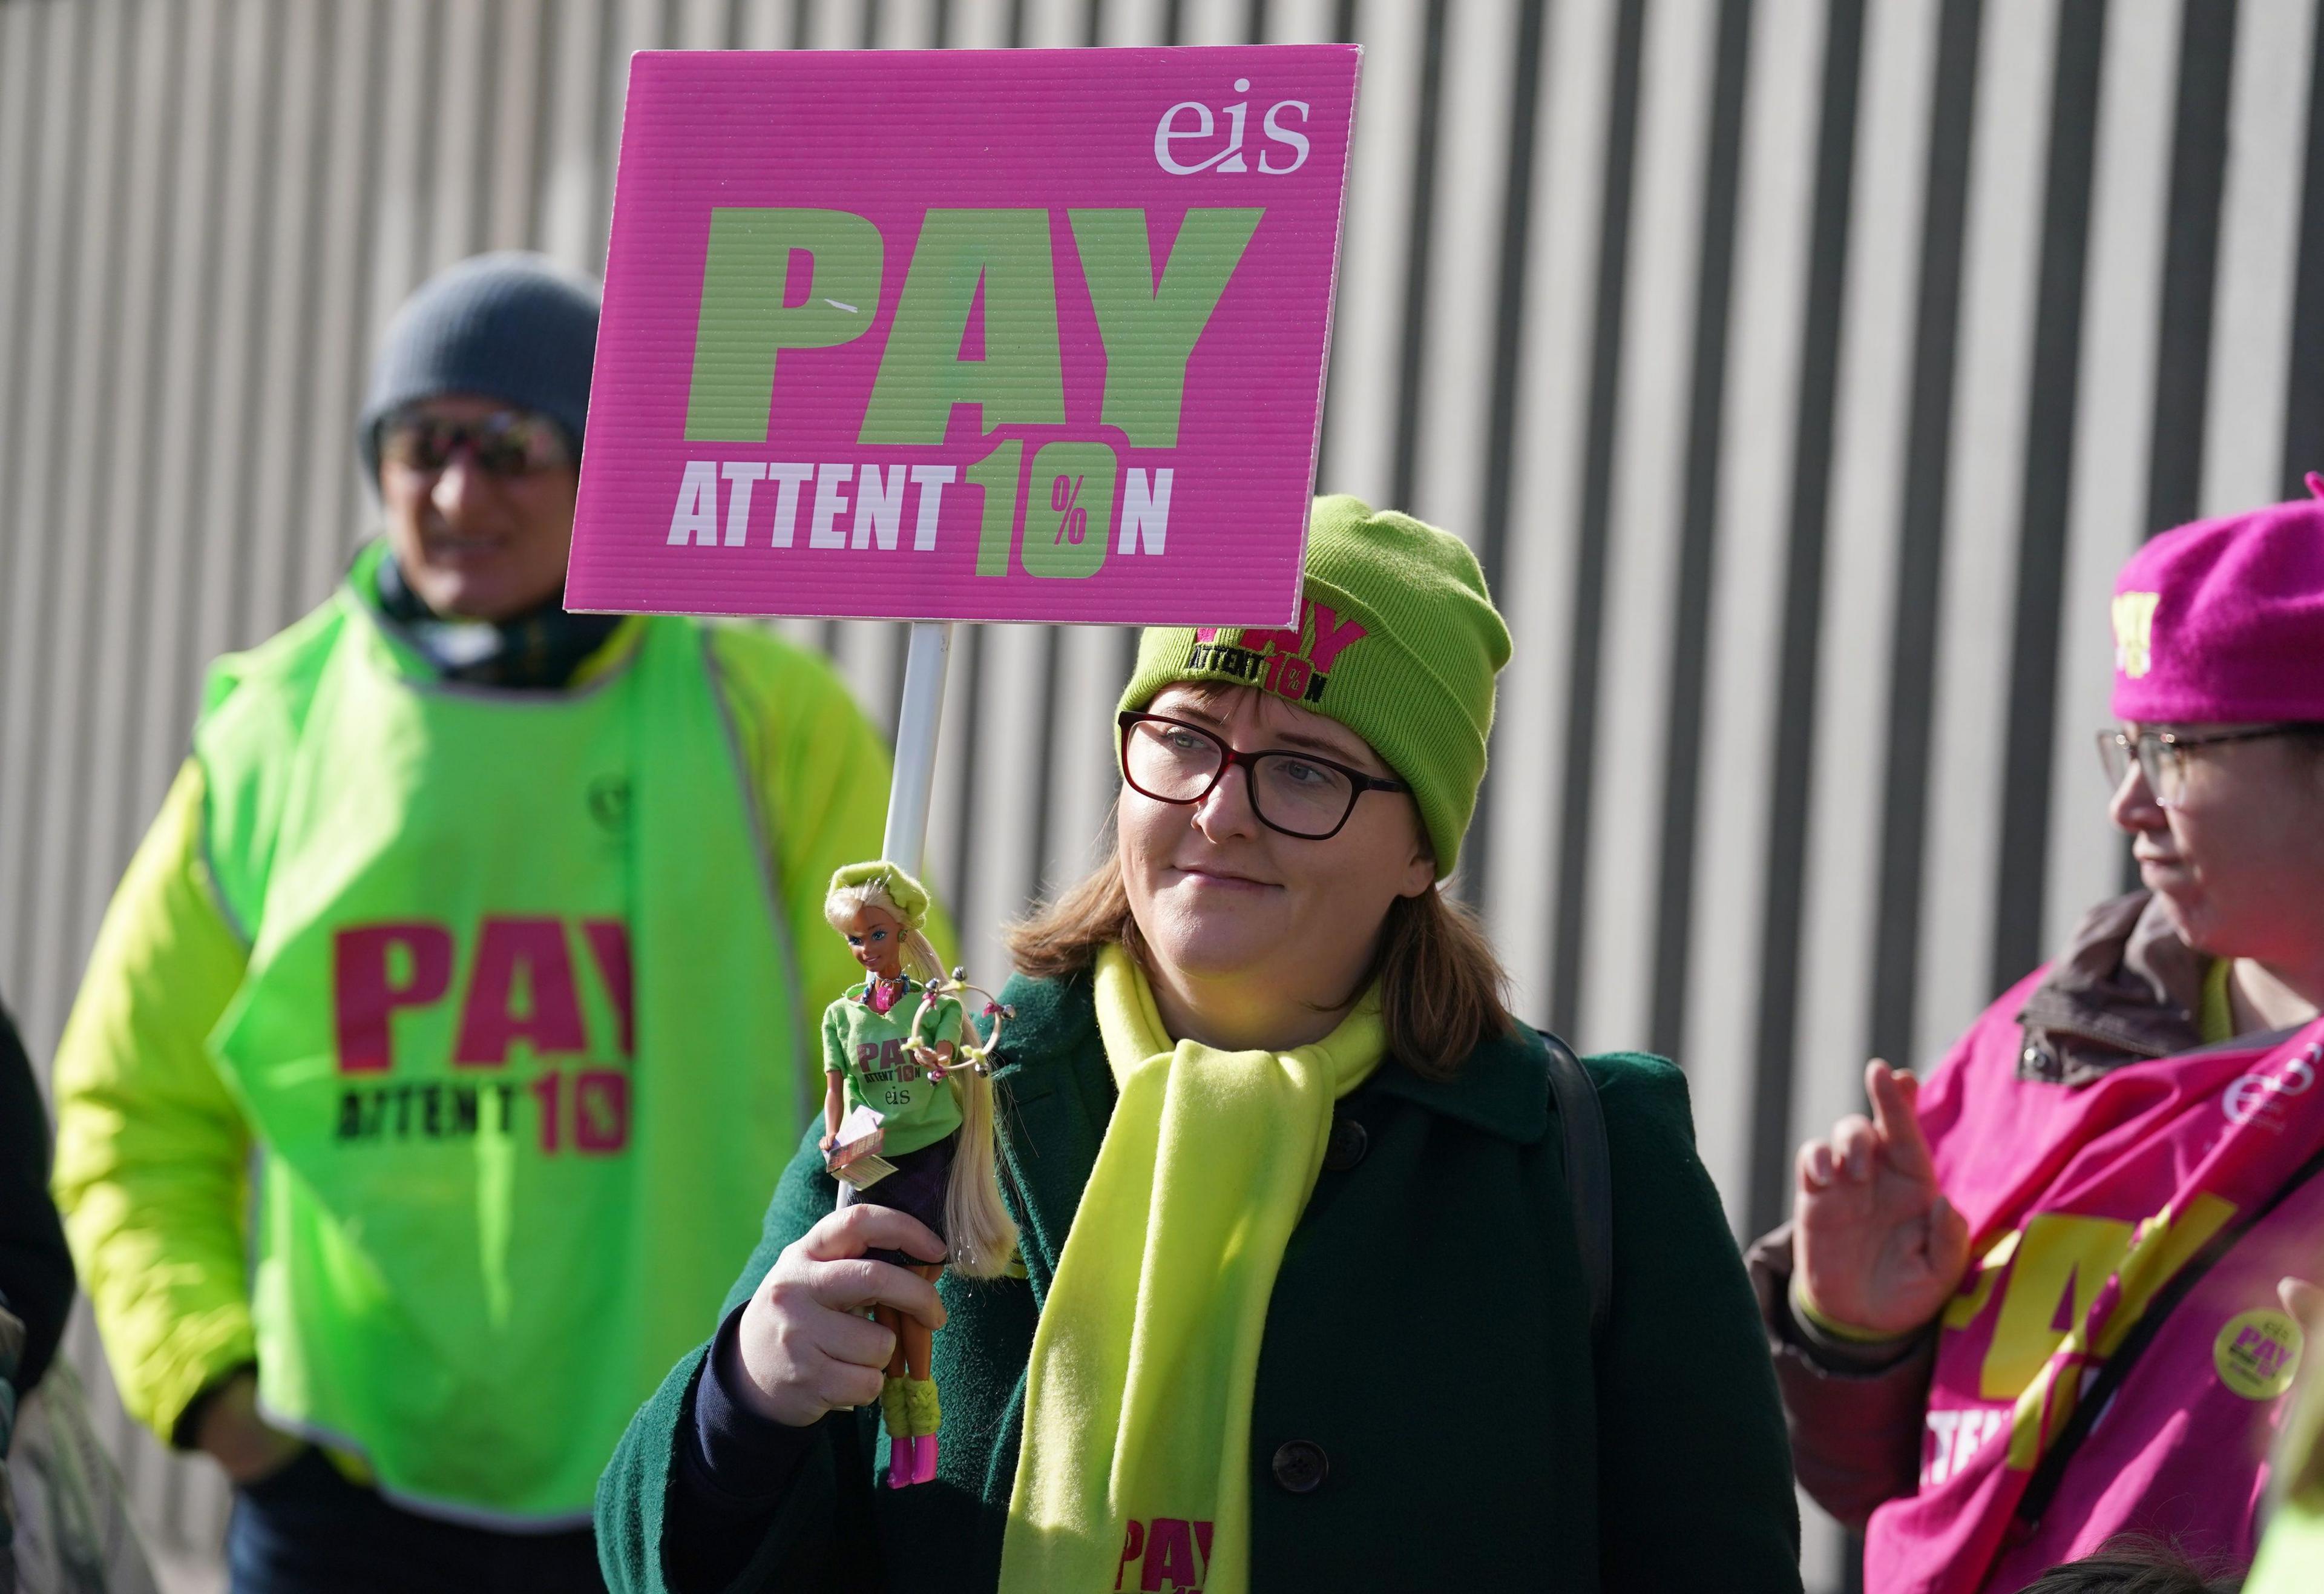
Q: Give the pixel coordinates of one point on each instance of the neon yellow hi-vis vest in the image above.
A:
(501, 1194)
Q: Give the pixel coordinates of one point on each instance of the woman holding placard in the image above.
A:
(1313, 1229)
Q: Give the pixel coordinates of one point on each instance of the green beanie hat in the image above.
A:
(1398, 640)
(910, 897)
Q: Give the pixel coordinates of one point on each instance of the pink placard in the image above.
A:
(965, 335)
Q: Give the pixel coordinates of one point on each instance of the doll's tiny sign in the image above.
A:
(969, 335)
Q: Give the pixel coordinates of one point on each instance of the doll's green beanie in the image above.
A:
(910, 897)
(1398, 640)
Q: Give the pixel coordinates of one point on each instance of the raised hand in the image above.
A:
(1875, 1244)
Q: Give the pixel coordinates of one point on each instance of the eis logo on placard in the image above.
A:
(1179, 140)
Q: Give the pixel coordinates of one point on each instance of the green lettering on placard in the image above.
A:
(996, 473)
(1020, 381)
(1071, 510)
(1149, 330)
(743, 324)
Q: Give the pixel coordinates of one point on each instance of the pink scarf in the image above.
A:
(2084, 1204)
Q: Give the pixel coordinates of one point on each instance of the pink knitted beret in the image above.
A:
(2223, 621)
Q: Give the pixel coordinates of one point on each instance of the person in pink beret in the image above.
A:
(2032, 1302)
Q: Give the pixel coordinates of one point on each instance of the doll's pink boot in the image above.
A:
(925, 1416)
(895, 1409)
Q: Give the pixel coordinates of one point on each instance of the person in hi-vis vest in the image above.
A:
(496, 931)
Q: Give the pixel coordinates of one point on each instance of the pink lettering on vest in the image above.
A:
(1133, 1543)
(530, 952)
(609, 944)
(365, 990)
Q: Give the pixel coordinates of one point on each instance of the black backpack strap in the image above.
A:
(1589, 1176)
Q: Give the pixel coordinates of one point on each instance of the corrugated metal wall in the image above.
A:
(1801, 370)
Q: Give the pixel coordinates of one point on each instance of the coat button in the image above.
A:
(1346, 1147)
(1300, 1467)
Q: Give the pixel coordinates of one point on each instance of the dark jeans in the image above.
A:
(307, 1530)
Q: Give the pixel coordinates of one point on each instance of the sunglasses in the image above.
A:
(506, 443)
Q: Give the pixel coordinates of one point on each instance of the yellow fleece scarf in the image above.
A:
(1136, 1461)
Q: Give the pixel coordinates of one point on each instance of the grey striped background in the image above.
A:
(1801, 370)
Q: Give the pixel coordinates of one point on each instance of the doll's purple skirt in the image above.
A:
(918, 1187)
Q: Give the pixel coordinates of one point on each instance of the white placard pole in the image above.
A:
(917, 718)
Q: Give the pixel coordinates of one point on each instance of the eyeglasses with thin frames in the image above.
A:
(1297, 793)
(2162, 754)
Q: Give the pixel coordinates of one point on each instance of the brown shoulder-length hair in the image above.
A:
(1443, 992)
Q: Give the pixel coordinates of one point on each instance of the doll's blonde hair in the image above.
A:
(982, 1234)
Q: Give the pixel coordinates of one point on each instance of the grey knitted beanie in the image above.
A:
(510, 326)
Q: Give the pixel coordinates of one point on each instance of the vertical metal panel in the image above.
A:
(1360, 421)
(1133, 22)
(2199, 156)
(1970, 690)
(518, 90)
(1454, 311)
(1502, 397)
(1648, 423)
(571, 199)
(1921, 532)
(1420, 252)
(2122, 295)
(165, 693)
(1802, 368)
(1585, 625)
(1538, 590)
(44, 386)
(1744, 633)
(332, 500)
(2028, 751)
(2303, 409)
(1697, 547)
(79, 461)
(282, 336)
(460, 131)
(2259, 247)
(124, 509)
(1053, 24)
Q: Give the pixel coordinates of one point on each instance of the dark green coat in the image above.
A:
(1429, 1332)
